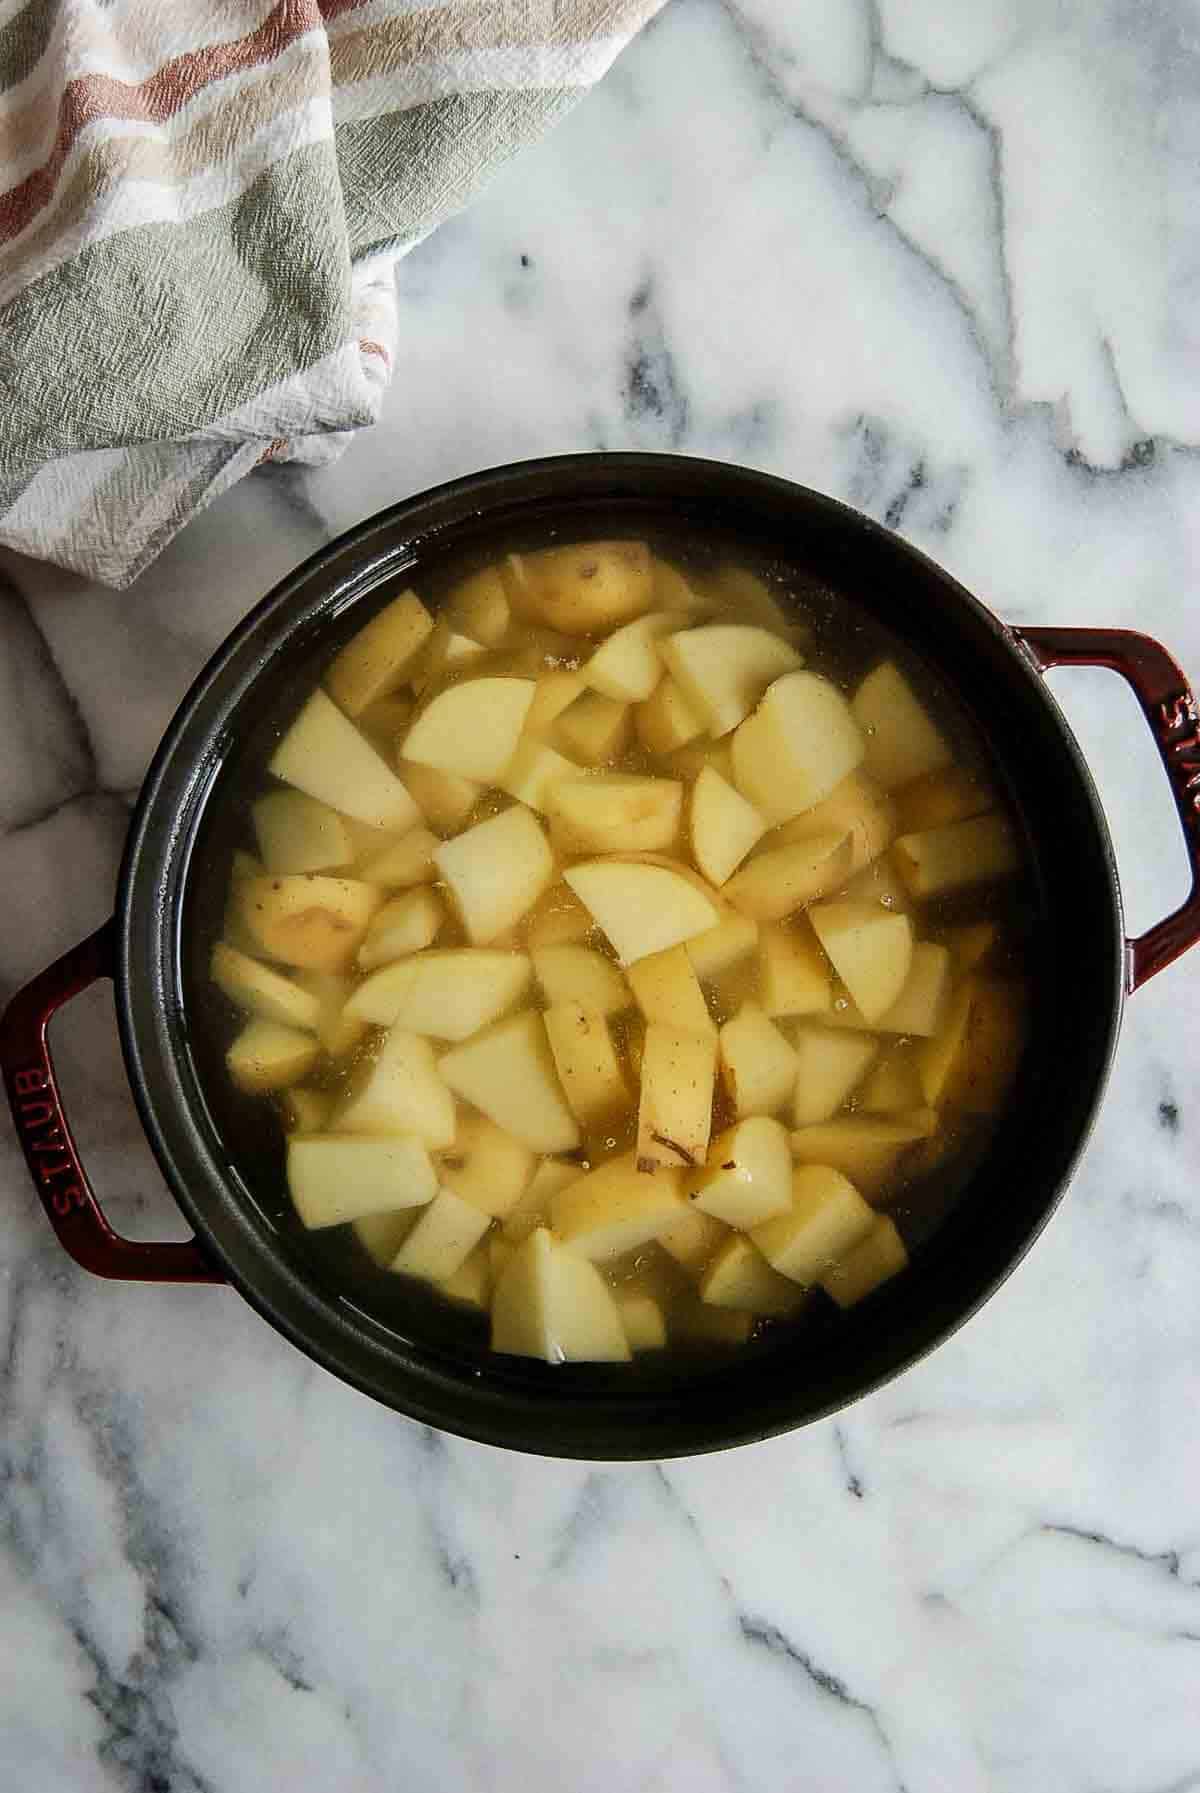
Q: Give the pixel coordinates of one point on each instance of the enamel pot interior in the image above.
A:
(225, 1166)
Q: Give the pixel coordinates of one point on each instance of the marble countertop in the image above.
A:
(939, 260)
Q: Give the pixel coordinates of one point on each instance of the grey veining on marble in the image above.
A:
(939, 260)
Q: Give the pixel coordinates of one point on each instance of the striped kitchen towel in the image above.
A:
(201, 205)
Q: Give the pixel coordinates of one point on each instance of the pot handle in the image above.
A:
(1170, 708)
(45, 1137)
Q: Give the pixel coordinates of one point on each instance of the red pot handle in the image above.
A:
(45, 1137)
(1170, 708)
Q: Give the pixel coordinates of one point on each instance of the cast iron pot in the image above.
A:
(227, 1180)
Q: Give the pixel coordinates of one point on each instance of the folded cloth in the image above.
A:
(201, 206)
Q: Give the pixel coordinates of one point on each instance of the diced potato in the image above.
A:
(880, 886)
(487, 1165)
(595, 729)
(724, 668)
(245, 865)
(951, 794)
(382, 1235)
(445, 799)
(829, 1067)
(478, 606)
(739, 1277)
(553, 692)
(666, 720)
(471, 1284)
(380, 657)
(642, 908)
(793, 975)
(583, 588)
(902, 740)
(338, 1032)
(445, 1235)
(306, 1110)
(551, 1304)
(614, 812)
(690, 760)
(797, 747)
(866, 1147)
(675, 590)
(668, 991)
(260, 991)
(579, 974)
(447, 995)
(534, 770)
(295, 833)
(387, 719)
(627, 666)
(643, 1322)
(587, 1064)
(675, 1104)
(827, 1218)
(775, 884)
(737, 588)
(856, 807)
(893, 1087)
(962, 853)
(317, 923)
(496, 871)
(508, 1072)
(871, 952)
(403, 863)
(757, 1064)
(872, 1261)
(500, 1253)
(939, 1060)
(324, 755)
(447, 656)
(533, 1208)
(557, 919)
(616, 1208)
(268, 1056)
(995, 1036)
(921, 1005)
(718, 949)
(471, 728)
(333, 1178)
(691, 1237)
(404, 925)
(748, 1176)
(724, 826)
(970, 945)
(402, 1092)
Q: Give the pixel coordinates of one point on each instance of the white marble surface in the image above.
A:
(938, 259)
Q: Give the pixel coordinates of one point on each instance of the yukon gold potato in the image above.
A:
(324, 755)
(595, 729)
(334, 1178)
(401, 1092)
(921, 1005)
(496, 871)
(499, 1252)
(403, 862)
(306, 1110)
(870, 1263)
(675, 1104)
(944, 859)
(508, 1072)
(532, 1209)
(894, 1086)
(245, 865)
(691, 1237)
(739, 1277)
(448, 994)
(757, 1064)
(614, 812)
(587, 1064)
(581, 589)
(902, 740)
(615, 1209)
(951, 794)
(386, 719)
(338, 1031)
(258, 990)
(775, 884)
(445, 799)
(940, 1060)
(382, 1235)
(797, 747)
(643, 1322)
(403, 925)
(879, 886)
(313, 922)
(295, 833)
(719, 949)
(553, 692)
(486, 1166)
(471, 728)
(690, 760)
(381, 656)
(447, 655)
(724, 826)
(793, 974)
(679, 591)
(668, 991)
(641, 908)
(533, 772)
(828, 1217)
(627, 666)
(856, 807)
(554, 1305)
(871, 952)
(478, 606)
(446, 1233)
(268, 1056)
(748, 1176)
(665, 720)
(471, 1284)
(866, 1147)
(724, 668)
(829, 1067)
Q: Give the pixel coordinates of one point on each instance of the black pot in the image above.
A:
(216, 1164)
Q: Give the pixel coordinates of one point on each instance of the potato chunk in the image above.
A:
(381, 656)
(793, 975)
(665, 720)
(446, 1233)
(775, 884)
(827, 1218)
(627, 667)
(488, 1166)
(902, 741)
(324, 755)
(268, 1056)
(614, 812)
(334, 1178)
(691, 1237)
(866, 1147)
(757, 1064)
(873, 1261)
(615, 1208)
(338, 1032)
(871, 952)
(829, 1067)
(675, 1106)
(643, 1321)
(642, 909)
(445, 799)
(573, 973)
(317, 923)
(724, 826)
(552, 1304)
(496, 871)
(856, 807)
(402, 863)
(583, 588)
(478, 606)
(668, 991)
(534, 771)
(720, 948)
(508, 1071)
(553, 692)
(951, 794)
(894, 1086)
(260, 991)
(748, 1176)
(404, 925)
(587, 1064)
(739, 1277)
(595, 729)
(447, 995)
(797, 747)
(533, 1208)
(472, 728)
(921, 1005)
(962, 853)
(724, 668)
(295, 833)
(401, 1093)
